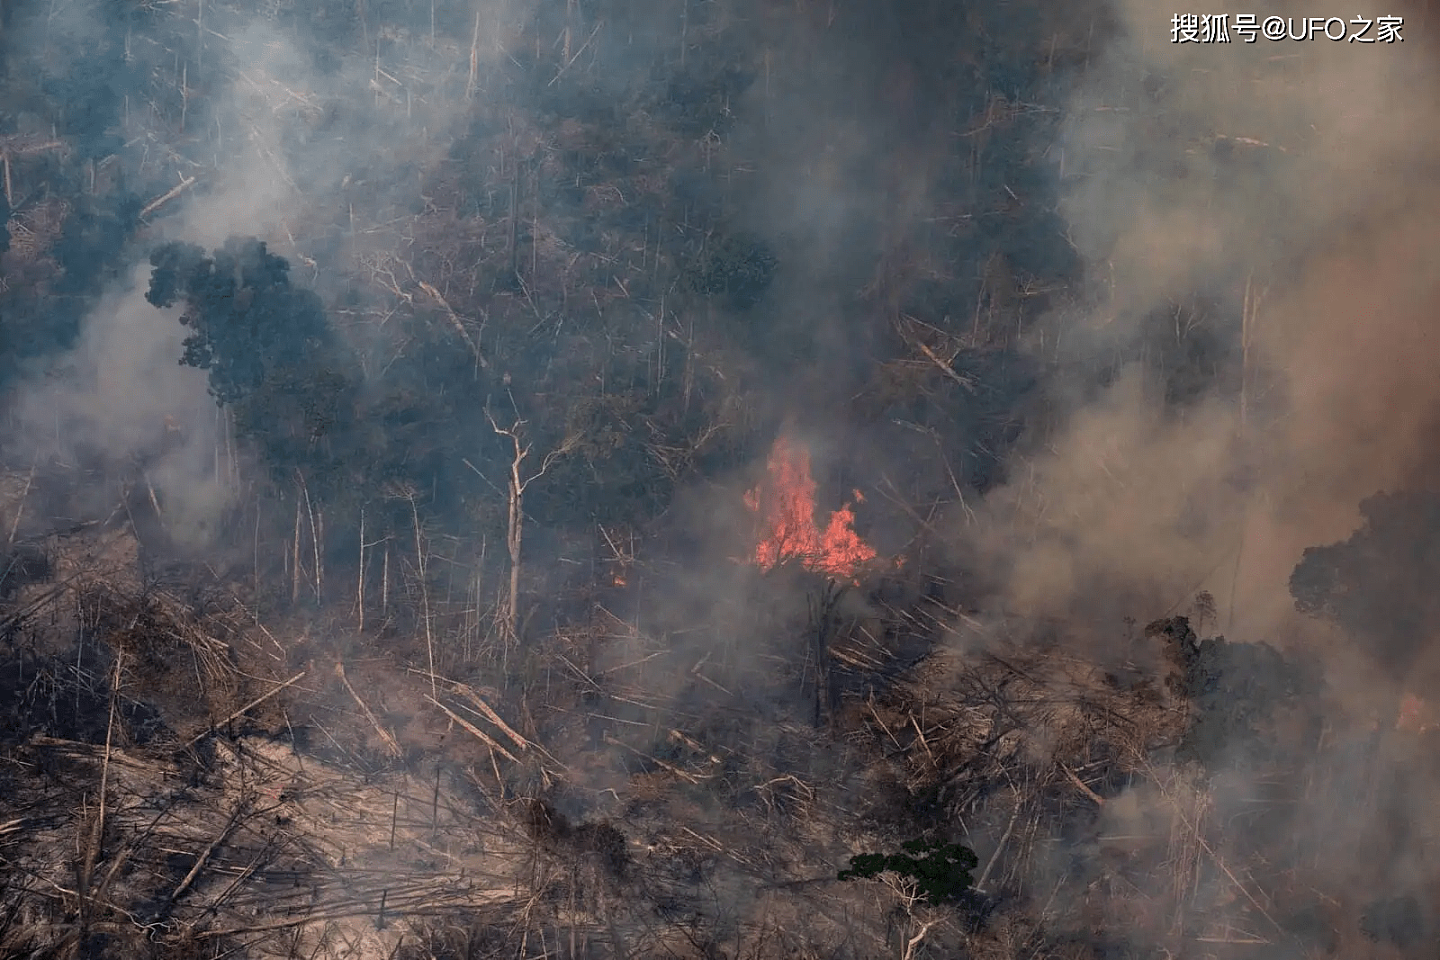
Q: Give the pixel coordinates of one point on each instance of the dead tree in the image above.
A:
(516, 485)
(406, 492)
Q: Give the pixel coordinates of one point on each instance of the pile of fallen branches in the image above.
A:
(134, 818)
(255, 847)
(1016, 740)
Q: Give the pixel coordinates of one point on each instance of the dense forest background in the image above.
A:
(434, 392)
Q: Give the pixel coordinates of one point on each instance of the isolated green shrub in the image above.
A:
(941, 871)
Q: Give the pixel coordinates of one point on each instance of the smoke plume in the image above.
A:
(1288, 188)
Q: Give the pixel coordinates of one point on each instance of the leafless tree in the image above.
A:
(517, 483)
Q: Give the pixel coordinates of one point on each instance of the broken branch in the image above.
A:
(241, 712)
(385, 735)
(166, 197)
(479, 734)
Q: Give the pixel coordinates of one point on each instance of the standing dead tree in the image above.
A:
(516, 485)
(406, 492)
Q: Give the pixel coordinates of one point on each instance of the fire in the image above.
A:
(785, 503)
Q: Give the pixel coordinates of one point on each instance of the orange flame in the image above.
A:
(785, 503)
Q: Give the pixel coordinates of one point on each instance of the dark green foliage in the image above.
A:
(1379, 585)
(92, 242)
(89, 114)
(268, 346)
(736, 269)
(66, 77)
(941, 871)
(88, 102)
(613, 476)
(248, 321)
(1235, 690)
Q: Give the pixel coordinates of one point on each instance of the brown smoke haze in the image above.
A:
(1291, 182)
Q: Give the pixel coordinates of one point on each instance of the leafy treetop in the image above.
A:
(267, 345)
(940, 871)
(1379, 585)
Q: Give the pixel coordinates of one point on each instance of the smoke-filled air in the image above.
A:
(702, 479)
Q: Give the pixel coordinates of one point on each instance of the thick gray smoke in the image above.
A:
(299, 161)
(1290, 184)
(121, 397)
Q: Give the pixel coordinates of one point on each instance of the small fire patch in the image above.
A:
(785, 504)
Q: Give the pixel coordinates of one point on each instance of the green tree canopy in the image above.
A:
(1380, 584)
(940, 871)
(272, 356)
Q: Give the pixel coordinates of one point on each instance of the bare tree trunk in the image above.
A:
(1249, 305)
(515, 520)
(514, 225)
(424, 594)
(257, 549)
(295, 558)
(514, 536)
(314, 534)
(826, 624)
(319, 537)
(360, 579)
(234, 461)
(385, 584)
(569, 16)
(1246, 313)
(474, 57)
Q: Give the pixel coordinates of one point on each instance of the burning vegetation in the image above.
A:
(784, 506)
